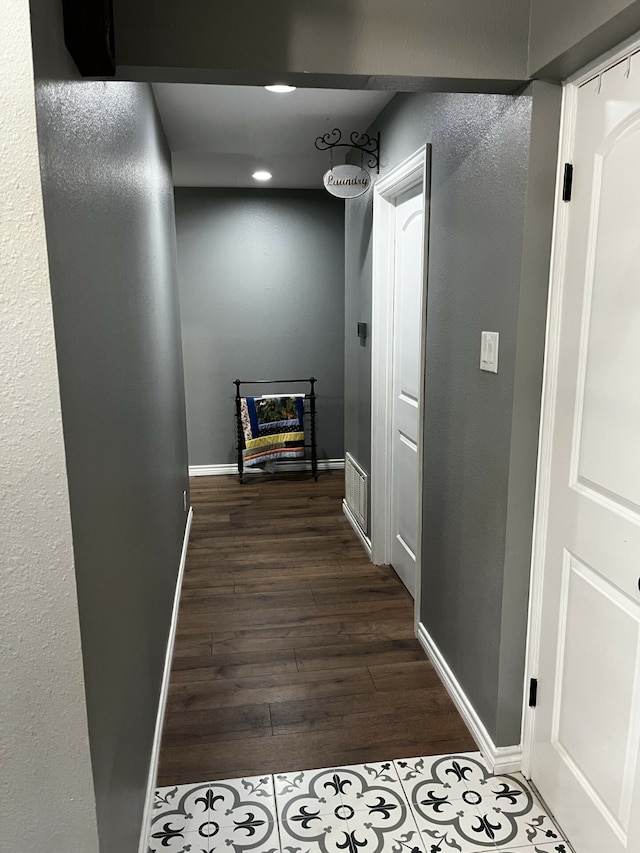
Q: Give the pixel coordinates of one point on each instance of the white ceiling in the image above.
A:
(219, 135)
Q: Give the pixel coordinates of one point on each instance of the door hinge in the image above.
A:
(567, 182)
(533, 692)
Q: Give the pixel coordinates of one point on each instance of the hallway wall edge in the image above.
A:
(501, 759)
(362, 536)
(164, 693)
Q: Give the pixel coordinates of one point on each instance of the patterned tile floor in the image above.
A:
(435, 804)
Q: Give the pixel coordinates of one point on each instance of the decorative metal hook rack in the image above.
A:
(369, 145)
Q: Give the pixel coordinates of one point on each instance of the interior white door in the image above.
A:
(585, 756)
(407, 326)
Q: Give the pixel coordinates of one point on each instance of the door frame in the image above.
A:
(550, 381)
(413, 172)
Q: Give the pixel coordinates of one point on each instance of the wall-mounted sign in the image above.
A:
(347, 181)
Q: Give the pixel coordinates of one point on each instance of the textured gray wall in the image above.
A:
(478, 208)
(527, 392)
(567, 34)
(261, 277)
(357, 377)
(478, 203)
(108, 202)
(456, 125)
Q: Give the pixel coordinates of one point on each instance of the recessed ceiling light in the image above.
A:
(280, 88)
(262, 175)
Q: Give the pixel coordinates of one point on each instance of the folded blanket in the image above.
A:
(273, 429)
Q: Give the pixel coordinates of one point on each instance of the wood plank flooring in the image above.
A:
(293, 650)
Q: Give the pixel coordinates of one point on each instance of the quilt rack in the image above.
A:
(311, 396)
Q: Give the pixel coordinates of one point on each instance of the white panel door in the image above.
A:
(409, 253)
(585, 757)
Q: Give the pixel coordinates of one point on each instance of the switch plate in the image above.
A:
(489, 352)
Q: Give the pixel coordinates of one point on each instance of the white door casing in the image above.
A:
(407, 314)
(411, 173)
(582, 741)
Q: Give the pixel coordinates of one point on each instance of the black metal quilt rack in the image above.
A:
(311, 396)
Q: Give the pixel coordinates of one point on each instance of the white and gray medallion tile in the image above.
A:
(306, 791)
(459, 804)
(557, 847)
(535, 829)
(231, 815)
(355, 808)
(372, 832)
(453, 775)
(435, 804)
(309, 810)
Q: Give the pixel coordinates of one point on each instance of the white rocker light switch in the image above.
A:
(489, 352)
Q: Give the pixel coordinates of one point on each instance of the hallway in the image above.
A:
(292, 649)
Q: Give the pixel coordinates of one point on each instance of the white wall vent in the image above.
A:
(356, 481)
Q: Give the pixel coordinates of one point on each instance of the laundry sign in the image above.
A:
(347, 181)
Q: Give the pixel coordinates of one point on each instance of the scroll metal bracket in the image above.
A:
(369, 145)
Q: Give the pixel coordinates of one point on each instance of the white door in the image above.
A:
(407, 325)
(585, 752)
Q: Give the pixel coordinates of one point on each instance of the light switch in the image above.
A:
(489, 352)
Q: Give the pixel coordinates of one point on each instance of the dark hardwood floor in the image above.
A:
(293, 651)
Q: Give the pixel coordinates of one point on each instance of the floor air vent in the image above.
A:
(355, 481)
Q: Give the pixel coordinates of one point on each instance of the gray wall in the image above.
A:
(409, 45)
(357, 377)
(480, 201)
(261, 277)
(248, 42)
(567, 34)
(527, 392)
(108, 202)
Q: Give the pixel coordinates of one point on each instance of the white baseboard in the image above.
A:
(284, 465)
(362, 536)
(502, 759)
(164, 692)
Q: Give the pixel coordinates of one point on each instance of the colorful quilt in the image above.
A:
(273, 429)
